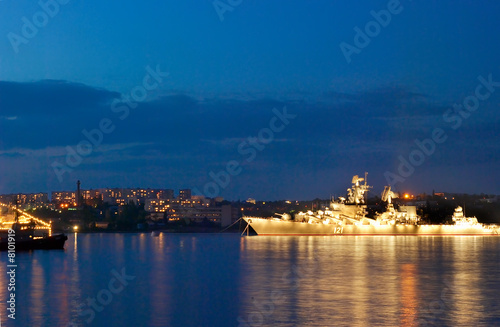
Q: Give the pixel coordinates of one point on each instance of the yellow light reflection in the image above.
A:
(408, 295)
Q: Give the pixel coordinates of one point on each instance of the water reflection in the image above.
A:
(409, 295)
(227, 280)
(159, 297)
(74, 295)
(368, 281)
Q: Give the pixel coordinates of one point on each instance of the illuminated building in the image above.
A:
(184, 194)
(156, 205)
(224, 215)
(66, 197)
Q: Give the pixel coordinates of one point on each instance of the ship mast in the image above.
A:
(15, 211)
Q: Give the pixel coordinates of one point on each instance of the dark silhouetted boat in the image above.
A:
(28, 233)
(23, 238)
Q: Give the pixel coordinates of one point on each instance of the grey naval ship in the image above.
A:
(347, 216)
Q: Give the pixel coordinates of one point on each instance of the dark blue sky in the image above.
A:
(178, 87)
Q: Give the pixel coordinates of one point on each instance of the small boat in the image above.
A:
(155, 233)
(28, 233)
(21, 237)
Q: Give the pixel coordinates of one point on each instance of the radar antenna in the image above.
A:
(388, 195)
(356, 194)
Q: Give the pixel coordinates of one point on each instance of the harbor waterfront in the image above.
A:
(136, 279)
(230, 163)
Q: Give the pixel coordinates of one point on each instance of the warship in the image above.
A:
(348, 216)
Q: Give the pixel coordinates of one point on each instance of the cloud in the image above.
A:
(394, 101)
(51, 97)
(48, 112)
(177, 139)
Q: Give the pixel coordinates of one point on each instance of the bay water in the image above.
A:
(136, 279)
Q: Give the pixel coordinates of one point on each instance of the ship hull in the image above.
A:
(55, 242)
(276, 227)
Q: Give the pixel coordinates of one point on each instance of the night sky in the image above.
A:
(166, 94)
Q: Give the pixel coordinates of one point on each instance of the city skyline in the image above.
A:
(180, 194)
(238, 99)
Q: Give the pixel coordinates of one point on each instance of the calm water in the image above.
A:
(226, 280)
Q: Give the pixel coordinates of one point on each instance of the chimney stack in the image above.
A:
(78, 194)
